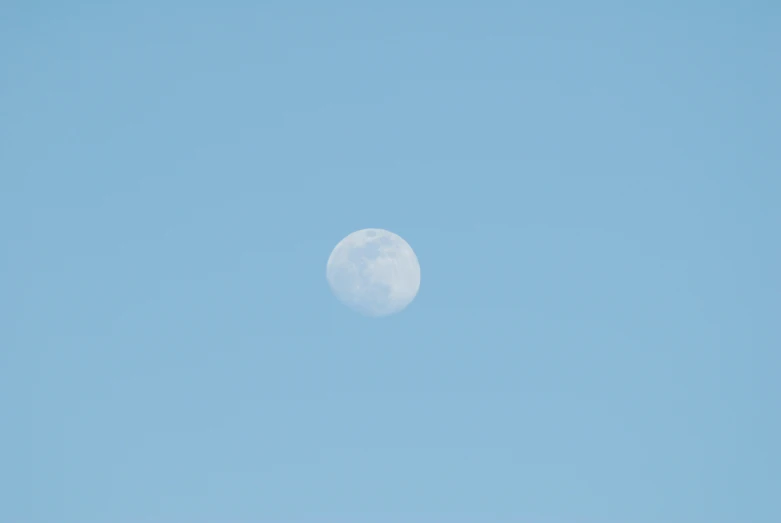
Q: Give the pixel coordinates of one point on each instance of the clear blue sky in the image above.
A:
(592, 190)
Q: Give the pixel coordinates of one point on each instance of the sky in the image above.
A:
(592, 191)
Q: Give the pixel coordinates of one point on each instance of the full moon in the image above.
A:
(374, 272)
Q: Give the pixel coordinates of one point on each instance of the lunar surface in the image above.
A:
(374, 272)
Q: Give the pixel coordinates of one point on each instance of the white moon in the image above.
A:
(374, 272)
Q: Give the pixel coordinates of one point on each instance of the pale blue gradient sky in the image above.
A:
(592, 190)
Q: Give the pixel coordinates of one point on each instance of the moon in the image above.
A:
(374, 272)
